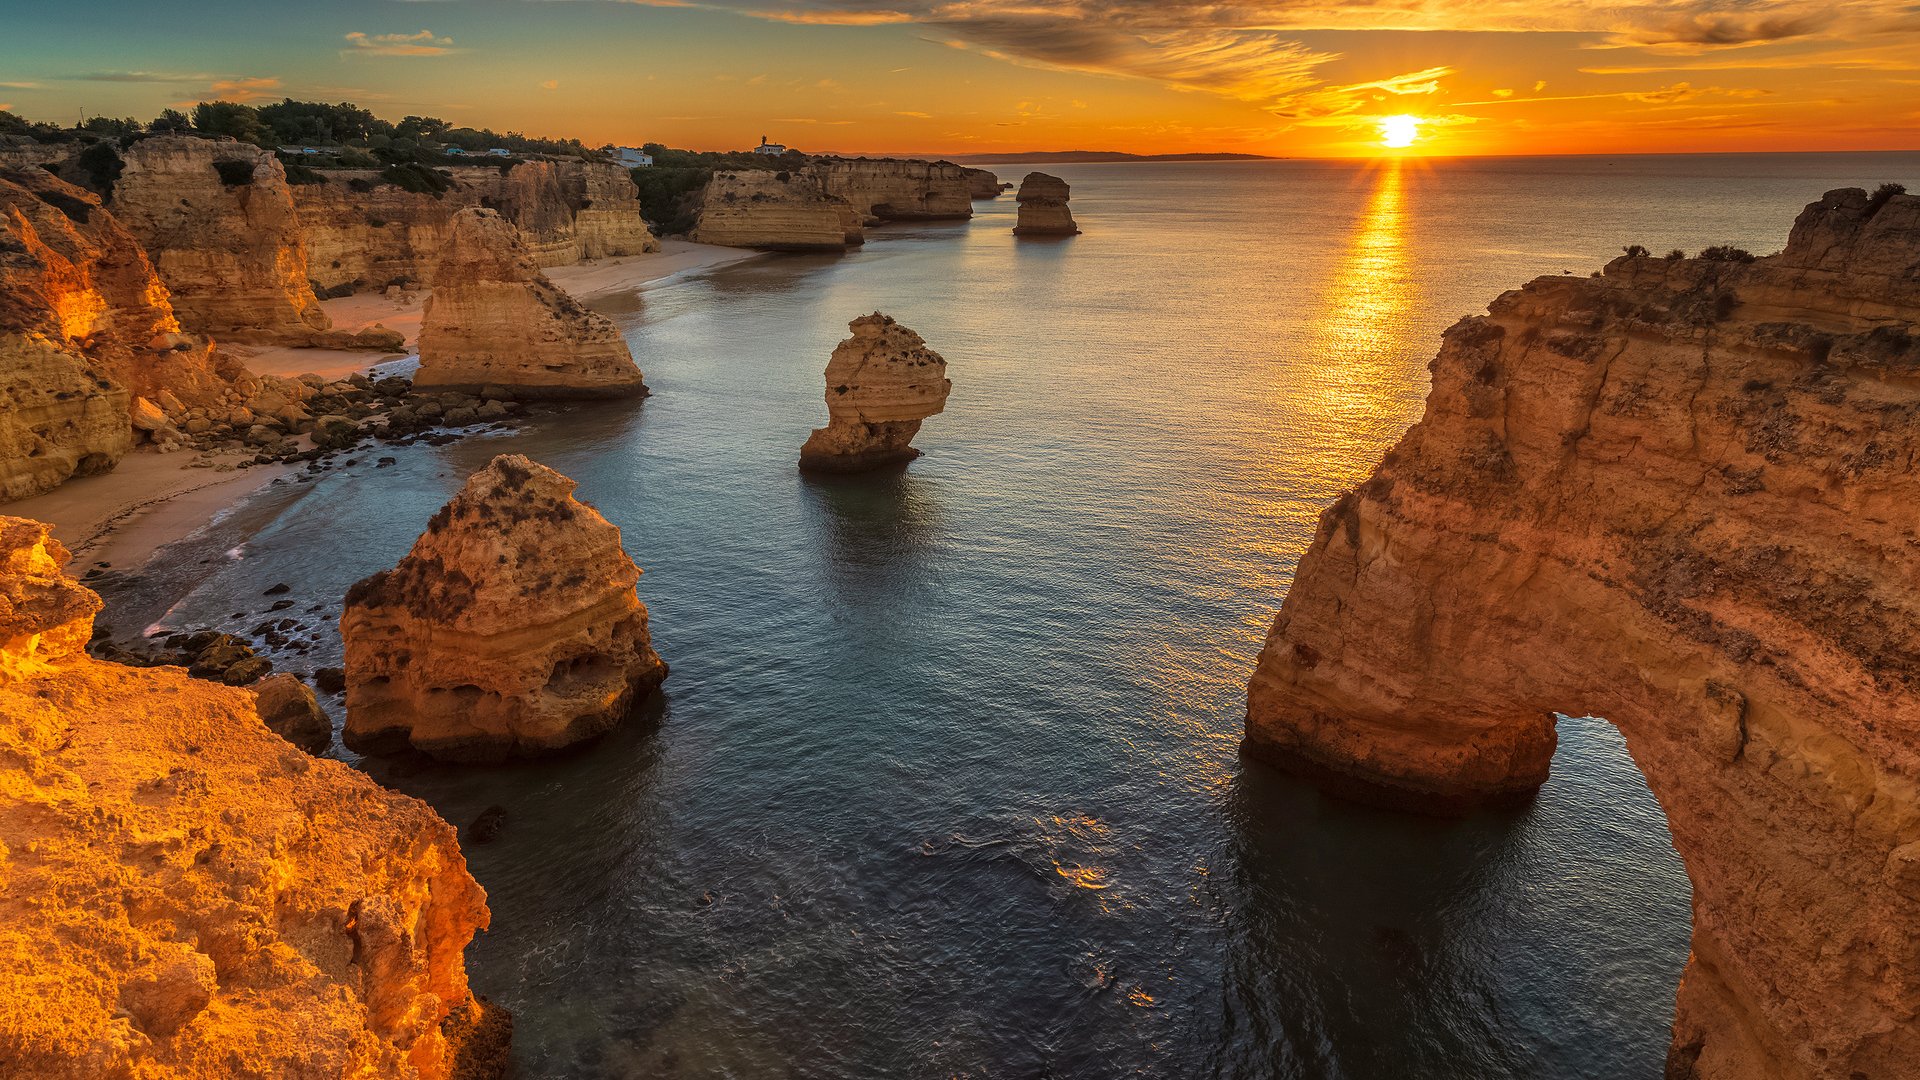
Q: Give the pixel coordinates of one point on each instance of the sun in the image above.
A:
(1398, 132)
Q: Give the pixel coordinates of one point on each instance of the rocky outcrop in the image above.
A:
(775, 211)
(881, 383)
(363, 232)
(982, 184)
(511, 628)
(1678, 496)
(88, 339)
(218, 220)
(1043, 207)
(183, 894)
(889, 189)
(495, 320)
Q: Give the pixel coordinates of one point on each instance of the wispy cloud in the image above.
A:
(19, 86)
(423, 43)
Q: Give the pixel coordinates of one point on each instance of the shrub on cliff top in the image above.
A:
(1727, 253)
(1882, 195)
(234, 173)
(300, 174)
(417, 178)
(1635, 251)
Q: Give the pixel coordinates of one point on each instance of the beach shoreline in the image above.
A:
(150, 500)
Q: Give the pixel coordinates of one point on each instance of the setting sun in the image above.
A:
(1398, 132)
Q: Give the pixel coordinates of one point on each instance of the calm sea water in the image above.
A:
(945, 780)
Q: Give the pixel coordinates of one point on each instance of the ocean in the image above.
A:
(945, 779)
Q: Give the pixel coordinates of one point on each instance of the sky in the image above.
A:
(951, 77)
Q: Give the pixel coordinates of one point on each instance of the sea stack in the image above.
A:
(510, 630)
(1679, 496)
(881, 383)
(495, 320)
(1043, 207)
(185, 894)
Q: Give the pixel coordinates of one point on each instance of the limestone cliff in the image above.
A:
(510, 629)
(495, 319)
(881, 383)
(982, 184)
(218, 220)
(364, 232)
(1680, 496)
(1043, 207)
(183, 894)
(775, 211)
(889, 189)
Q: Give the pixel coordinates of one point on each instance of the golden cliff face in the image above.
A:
(1043, 207)
(218, 220)
(775, 211)
(1679, 496)
(494, 319)
(894, 190)
(85, 328)
(363, 232)
(183, 894)
(881, 383)
(511, 629)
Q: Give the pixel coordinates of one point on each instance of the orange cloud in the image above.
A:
(423, 43)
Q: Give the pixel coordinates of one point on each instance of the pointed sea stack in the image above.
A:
(1043, 207)
(510, 630)
(881, 383)
(495, 320)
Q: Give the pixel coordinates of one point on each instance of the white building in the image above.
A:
(630, 158)
(499, 151)
(771, 149)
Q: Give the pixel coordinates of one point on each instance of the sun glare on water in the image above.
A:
(1398, 132)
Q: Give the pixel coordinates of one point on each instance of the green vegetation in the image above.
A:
(1882, 195)
(1635, 251)
(668, 187)
(1727, 253)
(417, 178)
(240, 122)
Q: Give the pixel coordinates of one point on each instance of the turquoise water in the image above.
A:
(945, 780)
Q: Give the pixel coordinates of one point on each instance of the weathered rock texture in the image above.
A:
(218, 220)
(1679, 496)
(982, 184)
(890, 189)
(1043, 207)
(185, 895)
(775, 211)
(364, 232)
(494, 319)
(87, 337)
(511, 628)
(881, 383)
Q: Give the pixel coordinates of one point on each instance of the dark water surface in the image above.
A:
(945, 780)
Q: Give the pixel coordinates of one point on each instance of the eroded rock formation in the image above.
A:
(1043, 207)
(881, 383)
(982, 184)
(511, 628)
(185, 895)
(218, 220)
(888, 189)
(1680, 496)
(775, 211)
(495, 320)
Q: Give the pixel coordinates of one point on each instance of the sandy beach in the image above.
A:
(151, 500)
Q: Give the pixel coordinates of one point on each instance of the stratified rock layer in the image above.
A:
(890, 189)
(1043, 207)
(982, 184)
(881, 383)
(511, 629)
(775, 211)
(1679, 496)
(495, 320)
(185, 895)
(217, 218)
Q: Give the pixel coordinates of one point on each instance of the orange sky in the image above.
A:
(986, 76)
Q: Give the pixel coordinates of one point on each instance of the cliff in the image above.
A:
(1678, 496)
(365, 232)
(510, 629)
(218, 220)
(881, 383)
(1043, 207)
(495, 319)
(183, 894)
(897, 190)
(982, 184)
(775, 211)
(86, 329)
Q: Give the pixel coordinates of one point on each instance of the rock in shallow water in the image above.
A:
(881, 383)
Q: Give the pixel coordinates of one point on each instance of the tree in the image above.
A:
(231, 119)
(420, 128)
(170, 122)
(108, 126)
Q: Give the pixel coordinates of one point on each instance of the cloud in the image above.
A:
(1503, 93)
(241, 91)
(1682, 91)
(19, 86)
(550, 84)
(423, 43)
(140, 77)
(915, 115)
